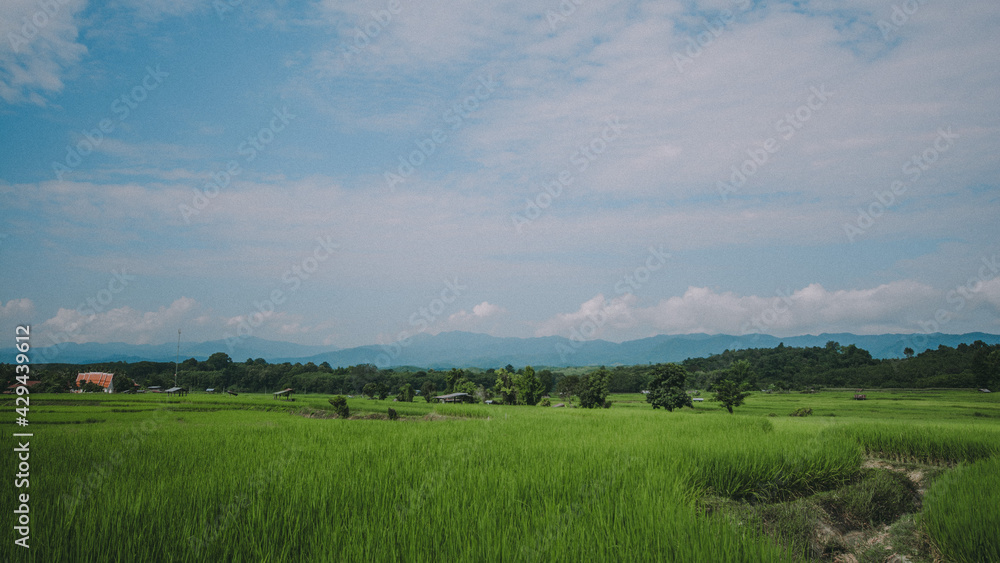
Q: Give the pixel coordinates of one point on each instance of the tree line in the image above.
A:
(975, 365)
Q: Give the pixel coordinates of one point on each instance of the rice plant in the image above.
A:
(254, 479)
(961, 515)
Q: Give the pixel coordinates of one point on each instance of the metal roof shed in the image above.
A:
(454, 398)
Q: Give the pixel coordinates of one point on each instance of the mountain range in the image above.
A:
(464, 349)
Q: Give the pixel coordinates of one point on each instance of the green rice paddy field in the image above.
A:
(250, 478)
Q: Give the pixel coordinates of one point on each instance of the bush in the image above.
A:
(393, 415)
(801, 412)
(545, 403)
(405, 393)
(340, 406)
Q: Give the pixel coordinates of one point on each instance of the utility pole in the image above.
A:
(178, 357)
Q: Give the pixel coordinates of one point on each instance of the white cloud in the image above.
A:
(38, 46)
(122, 324)
(990, 290)
(596, 318)
(892, 307)
(482, 318)
(17, 309)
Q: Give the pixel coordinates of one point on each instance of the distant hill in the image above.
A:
(92, 352)
(464, 349)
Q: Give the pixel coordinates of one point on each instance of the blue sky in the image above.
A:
(347, 173)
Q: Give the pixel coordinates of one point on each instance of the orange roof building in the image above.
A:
(105, 380)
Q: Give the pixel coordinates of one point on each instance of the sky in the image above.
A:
(344, 173)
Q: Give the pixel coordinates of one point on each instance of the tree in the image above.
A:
(381, 390)
(56, 382)
(91, 387)
(908, 352)
(546, 377)
(405, 393)
(741, 372)
(729, 393)
(218, 361)
(362, 375)
(504, 387)
(528, 388)
(453, 378)
(667, 387)
(427, 390)
(463, 385)
(985, 366)
(369, 390)
(594, 388)
(122, 383)
(568, 386)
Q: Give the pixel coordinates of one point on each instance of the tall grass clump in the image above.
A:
(944, 442)
(960, 512)
(755, 460)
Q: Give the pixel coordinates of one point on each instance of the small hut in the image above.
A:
(177, 391)
(286, 393)
(455, 398)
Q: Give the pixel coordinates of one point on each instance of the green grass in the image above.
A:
(249, 478)
(961, 512)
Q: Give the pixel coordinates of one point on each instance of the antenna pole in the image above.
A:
(178, 357)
